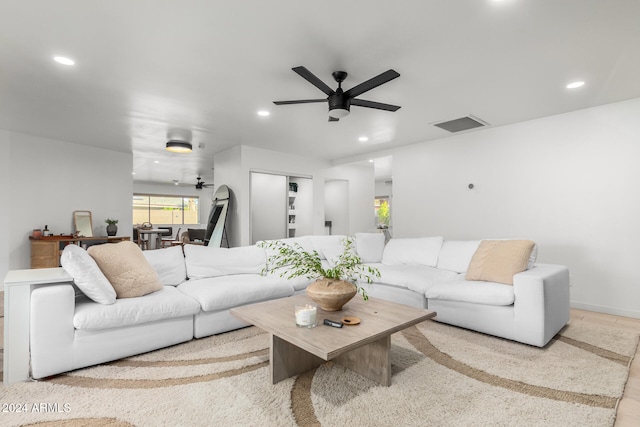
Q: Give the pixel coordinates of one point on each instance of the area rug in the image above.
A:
(441, 376)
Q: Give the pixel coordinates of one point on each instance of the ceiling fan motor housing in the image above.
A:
(339, 105)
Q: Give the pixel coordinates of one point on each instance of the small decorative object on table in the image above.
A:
(306, 315)
(350, 320)
(112, 228)
(335, 285)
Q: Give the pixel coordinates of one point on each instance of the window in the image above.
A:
(158, 209)
(382, 212)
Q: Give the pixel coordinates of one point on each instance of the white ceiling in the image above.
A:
(145, 68)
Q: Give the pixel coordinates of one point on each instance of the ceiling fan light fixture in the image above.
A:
(179, 146)
(338, 113)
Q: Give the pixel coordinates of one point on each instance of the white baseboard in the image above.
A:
(607, 310)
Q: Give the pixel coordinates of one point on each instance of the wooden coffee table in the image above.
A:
(363, 348)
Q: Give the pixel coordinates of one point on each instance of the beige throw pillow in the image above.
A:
(499, 260)
(126, 268)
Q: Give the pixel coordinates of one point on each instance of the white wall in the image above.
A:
(336, 205)
(49, 179)
(361, 195)
(569, 182)
(228, 171)
(232, 167)
(383, 188)
(5, 196)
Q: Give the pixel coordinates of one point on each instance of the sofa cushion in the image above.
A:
(331, 255)
(414, 277)
(370, 246)
(298, 283)
(205, 261)
(167, 303)
(499, 260)
(127, 269)
(304, 242)
(169, 264)
(412, 251)
(224, 292)
(489, 293)
(320, 243)
(455, 255)
(87, 275)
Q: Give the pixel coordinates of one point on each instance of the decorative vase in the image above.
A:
(112, 229)
(331, 294)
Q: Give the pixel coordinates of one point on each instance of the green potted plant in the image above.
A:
(112, 228)
(335, 283)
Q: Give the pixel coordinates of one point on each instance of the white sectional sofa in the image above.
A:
(430, 273)
(68, 330)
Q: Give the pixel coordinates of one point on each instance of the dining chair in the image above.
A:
(170, 240)
(165, 234)
(140, 240)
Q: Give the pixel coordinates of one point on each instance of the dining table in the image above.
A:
(158, 232)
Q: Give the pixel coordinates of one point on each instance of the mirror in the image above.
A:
(217, 219)
(82, 221)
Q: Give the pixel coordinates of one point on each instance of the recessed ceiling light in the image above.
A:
(263, 113)
(363, 139)
(370, 160)
(64, 60)
(575, 85)
(156, 161)
(133, 173)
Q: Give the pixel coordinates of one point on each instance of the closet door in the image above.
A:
(268, 206)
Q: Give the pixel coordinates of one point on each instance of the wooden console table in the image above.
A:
(45, 252)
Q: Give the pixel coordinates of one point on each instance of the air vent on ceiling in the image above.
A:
(463, 123)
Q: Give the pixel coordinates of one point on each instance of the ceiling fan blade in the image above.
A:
(300, 101)
(373, 104)
(372, 83)
(311, 78)
(333, 119)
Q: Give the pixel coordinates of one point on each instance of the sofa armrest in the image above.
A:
(51, 329)
(541, 306)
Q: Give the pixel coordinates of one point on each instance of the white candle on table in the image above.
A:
(306, 315)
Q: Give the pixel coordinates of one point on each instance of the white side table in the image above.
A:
(18, 285)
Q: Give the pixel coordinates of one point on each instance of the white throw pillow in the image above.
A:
(456, 255)
(169, 264)
(412, 251)
(87, 275)
(370, 246)
(205, 261)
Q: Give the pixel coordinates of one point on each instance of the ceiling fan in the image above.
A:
(341, 101)
(200, 184)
